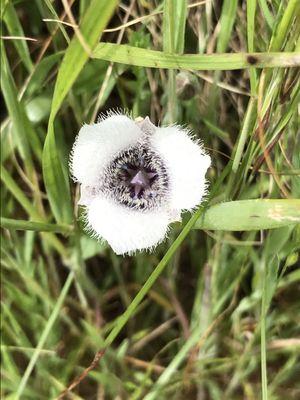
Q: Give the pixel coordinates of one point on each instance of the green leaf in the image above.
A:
(38, 108)
(246, 215)
(93, 22)
(157, 59)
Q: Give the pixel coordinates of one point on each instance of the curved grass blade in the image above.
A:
(123, 319)
(14, 28)
(93, 22)
(53, 317)
(18, 193)
(24, 135)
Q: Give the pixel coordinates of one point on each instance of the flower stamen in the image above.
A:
(140, 180)
(137, 178)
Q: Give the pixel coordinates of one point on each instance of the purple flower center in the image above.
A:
(137, 178)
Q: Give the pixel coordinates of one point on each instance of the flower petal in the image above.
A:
(98, 144)
(87, 195)
(125, 229)
(187, 164)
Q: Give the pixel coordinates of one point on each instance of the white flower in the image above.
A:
(136, 179)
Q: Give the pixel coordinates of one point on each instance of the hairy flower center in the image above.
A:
(137, 178)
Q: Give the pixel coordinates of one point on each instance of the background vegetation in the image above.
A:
(219, 314)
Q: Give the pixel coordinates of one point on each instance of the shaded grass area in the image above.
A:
(213, 313)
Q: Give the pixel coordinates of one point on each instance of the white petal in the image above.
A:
(126, 230)
(87, 195)
(187, 164)
(98, 144)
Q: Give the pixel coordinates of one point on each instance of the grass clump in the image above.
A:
(213, 313)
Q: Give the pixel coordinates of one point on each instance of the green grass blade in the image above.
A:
(57, 186)
(91, 27)
(251, 9)
(130, 55)
(174, 364)
(180, 22)
(169, 26)
(263, 350)
(18, 193)
(267, 13)
(23, 225)
(281, 31)
(24, 134)
(54, 315)
(55, 16)
(122, 320)
(227, 20)
(174, 21)
(14, 28)
(245, 215)
(173, 42)
(27, 205)
(247, 125)
(226, 23)
(169, 47)
(41, 72)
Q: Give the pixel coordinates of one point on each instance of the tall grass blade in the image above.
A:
(23, 132)
(122, 320)
(93, 22)
(54, 315)
(251, 9)
(14, 28)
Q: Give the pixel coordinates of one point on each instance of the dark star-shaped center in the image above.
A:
(139, 179)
